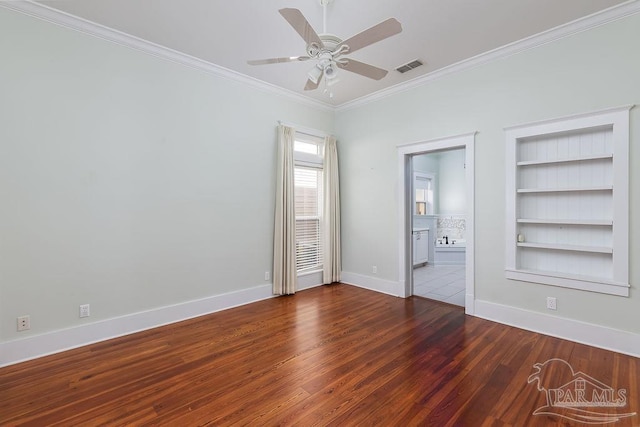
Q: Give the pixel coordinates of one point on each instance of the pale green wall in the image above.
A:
(592, 70)
(127, 181)
(130, 182)
(452, 185)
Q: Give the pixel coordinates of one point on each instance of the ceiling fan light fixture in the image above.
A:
(330, 72)
(314, 74)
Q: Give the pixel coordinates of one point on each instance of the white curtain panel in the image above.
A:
(285, 276)
(331, 250)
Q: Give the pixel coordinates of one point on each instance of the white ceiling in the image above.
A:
(228, 33)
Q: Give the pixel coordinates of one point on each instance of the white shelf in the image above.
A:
(564, 190)
(601, 222)
(565, 160)
(573, 248)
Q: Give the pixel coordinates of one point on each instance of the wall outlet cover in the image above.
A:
(85, 310)
(24, 323)
(551, 303)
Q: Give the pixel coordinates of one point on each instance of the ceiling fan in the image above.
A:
(328, 50)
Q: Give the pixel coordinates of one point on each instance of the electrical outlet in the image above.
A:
(84, 310)
(267, 275)
(24, 323)
(551, 303)
(374, 270)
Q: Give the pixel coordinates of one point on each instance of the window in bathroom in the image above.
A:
(423, 185)
(308, 180)
(567, 188)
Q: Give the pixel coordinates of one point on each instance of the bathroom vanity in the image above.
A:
(420, 246)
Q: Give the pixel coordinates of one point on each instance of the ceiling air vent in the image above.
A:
(409, 66)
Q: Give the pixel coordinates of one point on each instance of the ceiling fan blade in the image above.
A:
(311, 85)
(362, 68)
(296, 19)
(277, 60)
(372, 35)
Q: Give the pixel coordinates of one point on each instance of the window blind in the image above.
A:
(308, 209)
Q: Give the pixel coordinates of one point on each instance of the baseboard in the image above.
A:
(372, 283)
(572, 330)
(16, 351)
(469, 304)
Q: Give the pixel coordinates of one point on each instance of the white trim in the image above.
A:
(597, 19)
(586, 284)
(372, 283)
(568, 122)
(54, 16)
(304, 130)
(65, 339)
(405, 151)
(434, 144)
(560, 327)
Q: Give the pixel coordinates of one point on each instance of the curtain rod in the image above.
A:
(303, 129)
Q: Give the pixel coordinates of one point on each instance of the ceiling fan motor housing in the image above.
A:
(313, 49)
(329, 44)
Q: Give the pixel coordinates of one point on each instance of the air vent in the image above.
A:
(409, 66)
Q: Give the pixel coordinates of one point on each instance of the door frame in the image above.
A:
(405, 217)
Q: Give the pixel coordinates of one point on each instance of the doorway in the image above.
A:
(407, 207)
(439, 225)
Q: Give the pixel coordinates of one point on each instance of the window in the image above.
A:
(308, 192)
(423, 194)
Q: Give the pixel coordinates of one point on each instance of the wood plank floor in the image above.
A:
(332, 355)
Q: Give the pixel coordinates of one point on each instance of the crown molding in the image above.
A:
(46, 13)
(597, 19)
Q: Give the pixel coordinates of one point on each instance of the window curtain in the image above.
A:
(331, 250)
(285, 276)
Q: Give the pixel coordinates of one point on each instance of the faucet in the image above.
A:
(446, 240)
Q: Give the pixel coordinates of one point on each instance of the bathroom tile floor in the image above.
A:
(440, 282)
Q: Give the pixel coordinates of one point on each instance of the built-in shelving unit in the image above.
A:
(567, 202)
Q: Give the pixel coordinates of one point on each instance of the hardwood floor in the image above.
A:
(332, 355)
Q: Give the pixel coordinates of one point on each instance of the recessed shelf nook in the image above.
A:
(567, 188)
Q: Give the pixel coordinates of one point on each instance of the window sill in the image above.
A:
(569, 281)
